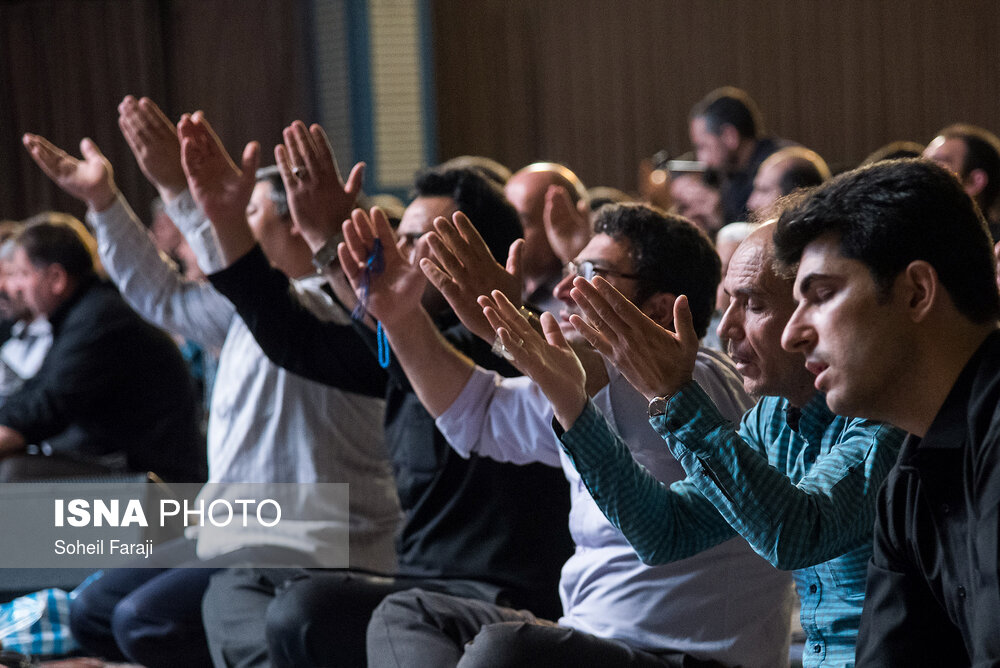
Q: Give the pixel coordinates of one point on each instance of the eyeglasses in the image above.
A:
(587, 270)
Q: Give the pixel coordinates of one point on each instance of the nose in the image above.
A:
(561, 291)
(798, 336)
(730, 327)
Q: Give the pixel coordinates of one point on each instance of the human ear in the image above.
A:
(660, 308)
(975, 181)
(730, 137)
(921, 285)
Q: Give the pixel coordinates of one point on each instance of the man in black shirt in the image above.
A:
(897, 317)
(116, 381)
(728, 137)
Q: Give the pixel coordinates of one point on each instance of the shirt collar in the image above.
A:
(813, 418)
(969, 395)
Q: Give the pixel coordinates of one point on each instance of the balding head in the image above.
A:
(526, 191)
(760, 305)
(782, 173)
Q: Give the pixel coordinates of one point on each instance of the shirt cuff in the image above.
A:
(690, 417)
(589, 440)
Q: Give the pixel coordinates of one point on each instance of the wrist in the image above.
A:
(102, 201)
(325, 253)
(170, 193)
(567, 412)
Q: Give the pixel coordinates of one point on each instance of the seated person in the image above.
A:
(119, 381)
(898, 314)
(25, 340)
(798, 482)
(472, 526)
(718, 603)
(267, 425)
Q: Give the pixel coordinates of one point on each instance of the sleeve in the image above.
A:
(292, 336)
(663, 524)
(197, 230)
(151, 285)
(829, 511)
(505, 419)
(79, 371)
(902, 624)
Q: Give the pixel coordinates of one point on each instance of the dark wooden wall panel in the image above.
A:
(601, 84)
(67, 63)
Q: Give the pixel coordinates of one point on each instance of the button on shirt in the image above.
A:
(804, 499)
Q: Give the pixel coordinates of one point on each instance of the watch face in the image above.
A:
(658, 406)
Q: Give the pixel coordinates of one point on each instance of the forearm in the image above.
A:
(436, 370)
(293, 337)
(827, 512)
(663, 524)
(151, 285)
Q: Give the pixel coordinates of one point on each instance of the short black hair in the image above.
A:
(48, 242)
(670, 253)
(479, 198)
(982, 151)
(892, 213)
(729, 106)
(278, 195)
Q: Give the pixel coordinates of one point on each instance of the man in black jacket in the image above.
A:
(116, 381)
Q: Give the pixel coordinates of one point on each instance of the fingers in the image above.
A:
(89, 150)
(438, 278)
(348, 263)
(595, 338)
(250, 162)
(515, 261)
(358, 236)
(684, 322)
(355, 179)
(322, 151)
(299, 143)
(557, 205)
(515, 321)
(46, 154)
(470, 235)
(447, 259)
(552, 331)
(597, 308)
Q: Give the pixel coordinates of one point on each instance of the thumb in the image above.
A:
(89, 149)
(552, 331)
(684, 323)
(250, 161)
(515, 266)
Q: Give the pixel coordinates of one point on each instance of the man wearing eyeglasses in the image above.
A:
(717, 604)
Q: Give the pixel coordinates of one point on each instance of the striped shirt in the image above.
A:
(799, 484)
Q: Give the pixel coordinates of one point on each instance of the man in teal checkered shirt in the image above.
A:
(796, 481)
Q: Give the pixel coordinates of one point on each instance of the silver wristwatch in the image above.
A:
(327, 253)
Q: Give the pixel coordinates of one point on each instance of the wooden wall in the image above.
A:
(67, 63)
(600, 84)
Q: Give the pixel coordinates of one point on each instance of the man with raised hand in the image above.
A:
(265, 424)
(897, 316)
(795, 480)
(474, 526)
(616, 611)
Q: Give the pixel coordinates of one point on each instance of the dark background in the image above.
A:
(598, 84)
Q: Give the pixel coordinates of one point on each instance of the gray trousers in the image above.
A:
(422, 628)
